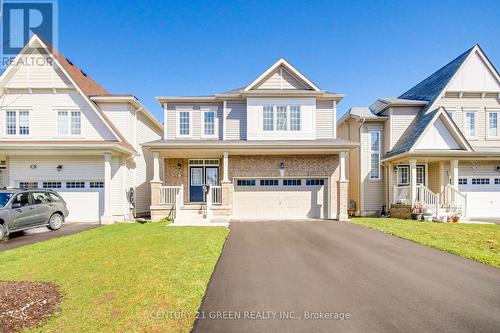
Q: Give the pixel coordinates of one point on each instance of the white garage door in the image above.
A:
(483, 196)
(280, 198)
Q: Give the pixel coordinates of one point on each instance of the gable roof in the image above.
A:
(84, 84)
(429, 90)
(287, 66)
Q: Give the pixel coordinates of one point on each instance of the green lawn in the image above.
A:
(122, 277)
(475, 241)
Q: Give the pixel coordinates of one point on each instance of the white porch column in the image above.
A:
(225, 166)
(454, 173)
(342, 157)
(390, 185)
(156, 166)
(413, 181)
(107, 217)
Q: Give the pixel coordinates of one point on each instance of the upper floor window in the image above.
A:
(208, 123)
(374, 155)
(470, 124)
(281, 118)
(69, 123)
(184, 123)
(493, 124)
(17, 123)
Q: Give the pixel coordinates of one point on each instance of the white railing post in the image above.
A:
(209, 202)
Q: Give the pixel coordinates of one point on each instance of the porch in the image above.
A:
(430, 185)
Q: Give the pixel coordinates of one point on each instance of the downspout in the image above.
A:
(361, 183)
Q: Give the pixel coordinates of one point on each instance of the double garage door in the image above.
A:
(483, 196)
(265, 198)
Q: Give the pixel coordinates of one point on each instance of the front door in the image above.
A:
(200, 176)
(196, 182)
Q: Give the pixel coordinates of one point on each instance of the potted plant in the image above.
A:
(416, 213)
(455, 219)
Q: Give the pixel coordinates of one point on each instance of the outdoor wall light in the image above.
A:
(282, 169)
(179, 166)
(395, 169)
(498, 168)
(59, 168)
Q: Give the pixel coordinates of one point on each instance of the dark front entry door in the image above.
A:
(196, 182)
(200, 176)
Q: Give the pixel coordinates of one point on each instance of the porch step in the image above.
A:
(192, 207)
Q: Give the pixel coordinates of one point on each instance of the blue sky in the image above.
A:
(363, 49)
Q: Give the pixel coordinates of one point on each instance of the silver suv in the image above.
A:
(25, 209)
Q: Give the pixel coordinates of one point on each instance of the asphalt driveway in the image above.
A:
(273, 276)
(36, 235)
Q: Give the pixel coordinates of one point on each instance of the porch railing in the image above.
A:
(172, 195)
(216, 194)
(428, 198)
(454, 199)
(401, 195)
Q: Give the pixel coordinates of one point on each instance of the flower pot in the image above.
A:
(449, 219)
(455, 219)
(416, 216)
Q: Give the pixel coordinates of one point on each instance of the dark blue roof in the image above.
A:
(427, 90)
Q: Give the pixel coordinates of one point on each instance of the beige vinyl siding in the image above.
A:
(197, 120)
(236, 120)
(325, 121)
(481, 106)
(43, 107)
(433, 177)
(121, 116)
(281, 79)
(373, 191)
(400, 120)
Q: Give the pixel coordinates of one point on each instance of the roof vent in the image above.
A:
(69, 61)
(83, 73)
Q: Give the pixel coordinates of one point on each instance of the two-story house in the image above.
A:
(268, 150)
(60, 129)
(436, 146)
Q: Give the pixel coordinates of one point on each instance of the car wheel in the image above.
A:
(3, 231)
(55, 222)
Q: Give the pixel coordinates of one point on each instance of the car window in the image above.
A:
(4, 198)
(40, 197)
(22, 198)
(53, 196)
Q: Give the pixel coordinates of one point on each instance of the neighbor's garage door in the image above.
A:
(280, 198)
(483, 196)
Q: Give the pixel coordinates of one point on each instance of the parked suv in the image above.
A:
(25, 209)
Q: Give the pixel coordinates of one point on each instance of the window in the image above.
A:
(480, 181)
(22, 198)
(184, 123)
(281, 118)
(403, 173)
(470, 124)
(69, 123)
(28, 185)
(15, 118)
(292, 182)
(374, 155)
(450, 113)
(75, 184)
(493, 124)
(315, 182)
(420, 174)
(40, 197)
(268, 118)
(462, 181)
(96, 184)
(268, 182)
(245, 182)
(209, 123)
(295, 118)
(497, 181)
(51, 184)
(53, 196)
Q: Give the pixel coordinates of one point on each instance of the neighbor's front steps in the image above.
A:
(194, 215)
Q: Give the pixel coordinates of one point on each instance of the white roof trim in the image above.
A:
(456, 133)
(281, 62)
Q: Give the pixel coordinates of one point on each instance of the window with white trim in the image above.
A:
(295, 118)
(208, 123)
(75, 184)
(69, 123)
(17, 122)
(374, 155)
(281, 118)
(268, 182)
(184, 123)
(462, 181)
(493, 124)
(315, 182)
(292, 182)
(497, 181)
(51, 185)
(96, 184)
(268, 118)
(403, 175)
(470, 124)
(27, 185)
(245, 182)
(480, 181)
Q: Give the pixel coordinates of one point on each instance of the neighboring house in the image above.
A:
(266, 151)
(59, 129)
(436, 145)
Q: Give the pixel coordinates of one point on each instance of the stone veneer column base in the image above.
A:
(227, 197)
(107, 219)
(155, 192)
(343, 186)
